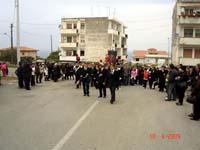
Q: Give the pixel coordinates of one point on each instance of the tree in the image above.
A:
(54, 56)
(9, 56)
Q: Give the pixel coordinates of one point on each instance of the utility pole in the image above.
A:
(51, 44)
(11, 36)
(11, 41)
(18, 31)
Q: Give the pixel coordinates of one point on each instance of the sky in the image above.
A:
(149, 22)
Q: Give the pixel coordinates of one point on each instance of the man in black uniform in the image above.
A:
(113, 80)
(86, 80)
(93, 75)
(102, 80)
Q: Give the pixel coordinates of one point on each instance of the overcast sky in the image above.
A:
(148, 21)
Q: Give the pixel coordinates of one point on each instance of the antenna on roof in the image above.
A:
(99, 12)
(92, 13)
(114, 12)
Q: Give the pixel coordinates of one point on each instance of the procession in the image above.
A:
(176, 81)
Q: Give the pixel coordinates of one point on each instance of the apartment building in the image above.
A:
(91, 38)
(186, 32)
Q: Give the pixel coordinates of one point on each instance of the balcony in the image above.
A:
(71, 45)
(190, 41)
(71, 58)
(123, 35)
(112, 31)
(69, 31)
(189, 20)
(189, 61)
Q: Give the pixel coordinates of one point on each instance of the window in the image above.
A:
(82, 39)
(197, 53)
(69, 26)
(82, 53)
(82, 25)
(189, 12)
(187, 53)
(68, 53)
(74, 39)
(188, 32)
(198, 12)
(69, 39)
(22, 53)
(74, 53)
(75, 26)
(137, 59)
(197, 33)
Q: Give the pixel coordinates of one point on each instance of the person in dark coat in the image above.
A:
(50, 71)
(19, 73)
(152, 77)
(140, 75)
(196, 92)
(93, 75)
(102, 80)
(56, 72)
(27, 72)
(161, 78)
(113, 80)
(171, 94)
(86, 80)
(78, 75)
(181, 80)
(196, 106)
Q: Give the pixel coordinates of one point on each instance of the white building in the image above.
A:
(186, 33)
(150, 56)
(92, 38)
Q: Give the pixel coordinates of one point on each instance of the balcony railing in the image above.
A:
(112, 31)
(69, 45)
(71, 58)
(189, 20)
(190, 41)
(69, 31)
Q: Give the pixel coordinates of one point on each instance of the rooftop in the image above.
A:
(151, 51)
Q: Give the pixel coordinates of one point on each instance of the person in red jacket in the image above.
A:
(4, 69)
(146, 76)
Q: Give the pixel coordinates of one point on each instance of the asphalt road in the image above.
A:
(55, 116)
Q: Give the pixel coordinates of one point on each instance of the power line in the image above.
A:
(39, 24)
(33, 34)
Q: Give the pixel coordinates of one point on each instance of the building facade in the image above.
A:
(150, 56)
(91, 38)
(186, 32)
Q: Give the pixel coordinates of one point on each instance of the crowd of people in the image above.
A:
(174, 80)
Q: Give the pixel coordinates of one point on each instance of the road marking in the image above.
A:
(67, 136)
